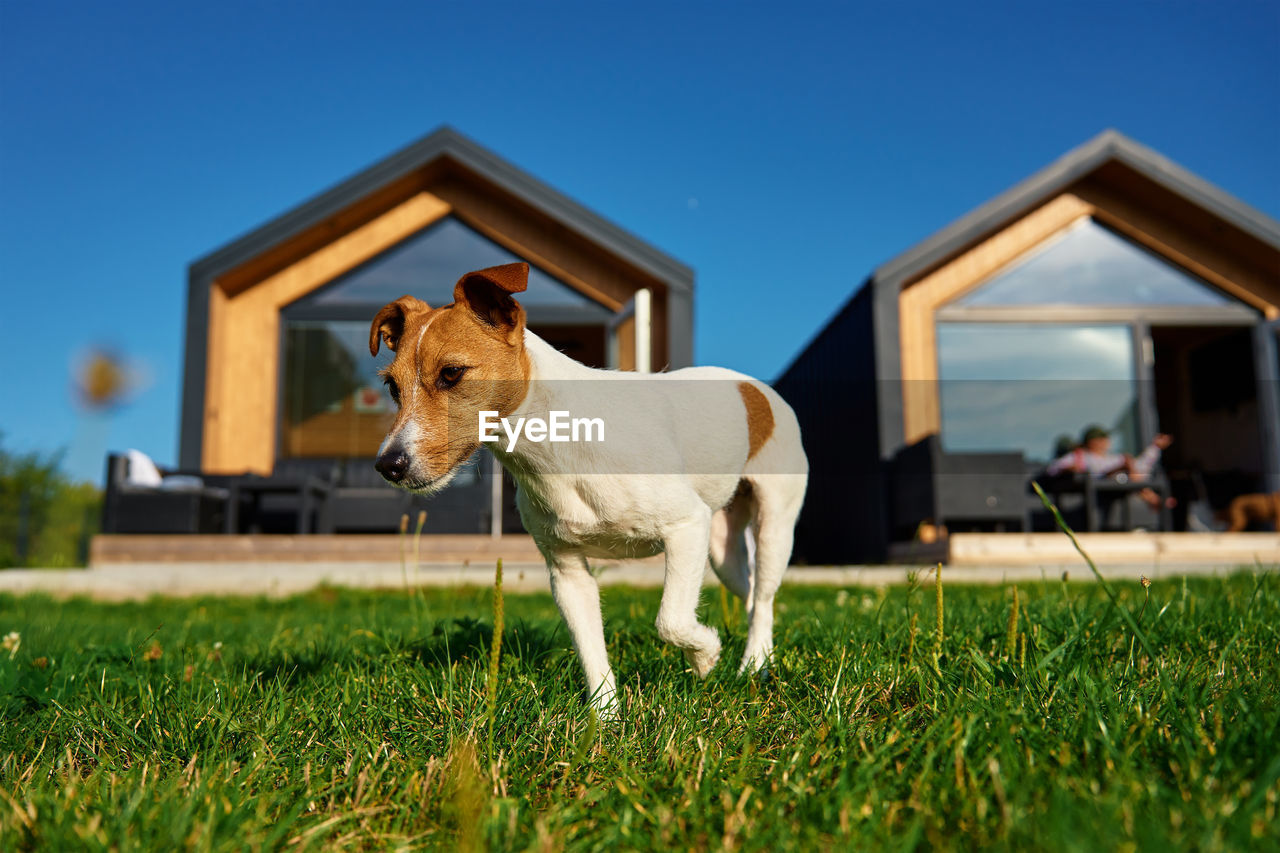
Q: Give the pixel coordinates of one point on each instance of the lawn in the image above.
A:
(360, 720)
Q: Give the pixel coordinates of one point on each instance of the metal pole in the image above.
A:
(495, 497)
(644, 330)
(1145, 398)
(1267, 370)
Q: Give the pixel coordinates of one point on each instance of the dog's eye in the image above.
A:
(392, 389)
(450, 375)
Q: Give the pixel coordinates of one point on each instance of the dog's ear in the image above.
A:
(487, 293)
(388, 323)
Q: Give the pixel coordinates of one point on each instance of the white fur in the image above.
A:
(665, 480)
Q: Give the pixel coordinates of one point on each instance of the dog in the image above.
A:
(1261, 508)
(700, 463)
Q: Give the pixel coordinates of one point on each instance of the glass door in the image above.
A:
(1266, 355)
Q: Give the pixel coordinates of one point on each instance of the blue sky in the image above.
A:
(783, 151)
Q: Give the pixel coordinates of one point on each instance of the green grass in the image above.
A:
(358, 719)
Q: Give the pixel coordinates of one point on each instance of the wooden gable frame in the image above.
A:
(1144, 211)
(230, 411)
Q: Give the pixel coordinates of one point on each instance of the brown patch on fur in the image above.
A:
(482, 333)
(1260, 508)
(759, 416)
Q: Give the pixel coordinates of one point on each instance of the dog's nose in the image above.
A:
(393, 465)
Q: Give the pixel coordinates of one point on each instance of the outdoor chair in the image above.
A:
(985, 490)
(184, 502)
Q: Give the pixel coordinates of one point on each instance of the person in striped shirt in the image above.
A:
(1094, 458)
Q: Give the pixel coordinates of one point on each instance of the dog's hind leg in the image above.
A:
(778, 497)
(730, 550)
(686, 545)
(578, 596)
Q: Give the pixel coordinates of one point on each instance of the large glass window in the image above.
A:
(1027, 386)
(334, 402)
(428, 264)
(1090, 265)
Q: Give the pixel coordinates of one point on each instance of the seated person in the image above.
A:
(1094, 458)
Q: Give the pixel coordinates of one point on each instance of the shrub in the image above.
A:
(46, 518)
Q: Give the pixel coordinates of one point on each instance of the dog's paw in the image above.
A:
(703, 660)
(604, 702)
(608, 713)
(607, 707)
(755, 664)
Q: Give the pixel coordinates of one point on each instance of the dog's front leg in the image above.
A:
(578, 596)
(686, 546)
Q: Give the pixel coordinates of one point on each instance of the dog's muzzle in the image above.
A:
(393, 465)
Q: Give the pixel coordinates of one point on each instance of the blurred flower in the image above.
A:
(1146, 581)
(11, 642)
(103, 379)
(155, 652)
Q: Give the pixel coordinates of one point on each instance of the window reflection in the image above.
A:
(334, 402)
(428, 264)
(1090, 265)
(1021, 386)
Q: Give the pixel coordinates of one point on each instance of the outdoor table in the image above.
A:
(1096, 489)
(311, 493)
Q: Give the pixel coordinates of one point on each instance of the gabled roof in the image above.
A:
(446, 143)
(1108, 146)
(879, 293)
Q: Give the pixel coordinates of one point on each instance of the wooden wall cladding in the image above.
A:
(241, 390)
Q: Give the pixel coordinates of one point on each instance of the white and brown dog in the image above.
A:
(693, 458)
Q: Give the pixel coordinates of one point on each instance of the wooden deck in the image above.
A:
(117, 549)
(1146, 549)
(962, 550)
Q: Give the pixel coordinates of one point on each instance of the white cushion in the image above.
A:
(141, 470)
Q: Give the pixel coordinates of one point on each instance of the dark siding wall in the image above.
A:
(832, 387)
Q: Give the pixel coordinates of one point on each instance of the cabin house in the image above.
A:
(1114, 287)
(278, 380)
